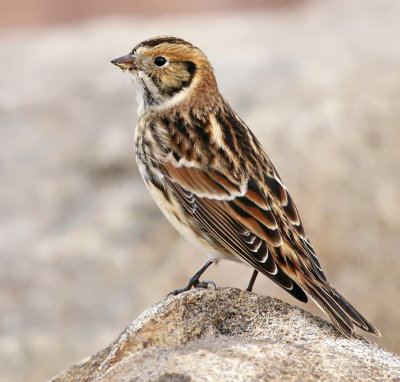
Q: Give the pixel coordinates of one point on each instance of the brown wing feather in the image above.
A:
(232, 232)
(209, 183)
(261, 204)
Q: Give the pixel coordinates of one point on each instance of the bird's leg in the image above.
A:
(252, 281)
(194, 280)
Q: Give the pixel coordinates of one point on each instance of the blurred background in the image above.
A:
(83, 247)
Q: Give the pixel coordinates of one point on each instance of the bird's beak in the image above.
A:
(126, 62)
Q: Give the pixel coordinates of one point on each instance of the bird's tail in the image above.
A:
(339, 310)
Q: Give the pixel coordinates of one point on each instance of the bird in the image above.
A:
(212, 179)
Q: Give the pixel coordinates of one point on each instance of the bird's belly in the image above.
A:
(172, 213)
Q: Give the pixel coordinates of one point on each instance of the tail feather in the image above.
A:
(339, 310)
(337, 316)
(356, 316)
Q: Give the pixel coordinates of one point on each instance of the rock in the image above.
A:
(232, 335)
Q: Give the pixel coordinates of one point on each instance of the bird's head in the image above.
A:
(169, 71)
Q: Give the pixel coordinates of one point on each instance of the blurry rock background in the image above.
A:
(83, 247)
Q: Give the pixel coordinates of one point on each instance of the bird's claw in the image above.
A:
(177, 291)
(195, 284)
(205, 284)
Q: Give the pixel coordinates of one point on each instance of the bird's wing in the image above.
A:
(227, 186)
(218, 160)
(236, 216)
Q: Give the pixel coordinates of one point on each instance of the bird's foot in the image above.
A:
(193, 284)
(194, 281)
(205, 284)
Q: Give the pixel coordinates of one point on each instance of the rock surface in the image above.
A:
(232, 335)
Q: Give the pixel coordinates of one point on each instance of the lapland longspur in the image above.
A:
(211, 178)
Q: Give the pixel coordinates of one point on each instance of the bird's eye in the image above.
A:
(160, 61)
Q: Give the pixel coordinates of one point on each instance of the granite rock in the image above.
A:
(232, 335)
